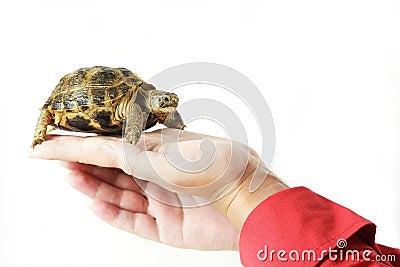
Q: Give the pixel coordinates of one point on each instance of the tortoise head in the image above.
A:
(161, 99)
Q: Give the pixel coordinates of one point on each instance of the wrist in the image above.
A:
(237, 204)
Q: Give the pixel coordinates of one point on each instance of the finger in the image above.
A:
(88, 167)
(140, 224)
(89, 150)
(94, 188)
(111, 176)
(108, 153)
(164, 135)
(97, 151)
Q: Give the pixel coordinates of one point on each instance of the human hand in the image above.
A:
(218, 171)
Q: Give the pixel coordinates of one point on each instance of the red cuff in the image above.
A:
(298, 221)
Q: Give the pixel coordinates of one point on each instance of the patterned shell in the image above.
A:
(92, 86)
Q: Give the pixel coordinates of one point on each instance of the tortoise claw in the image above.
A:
(36, 141)
(132, 138)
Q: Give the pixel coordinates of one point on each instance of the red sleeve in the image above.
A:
(297, 227)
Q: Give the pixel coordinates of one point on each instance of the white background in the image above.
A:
(330, 72)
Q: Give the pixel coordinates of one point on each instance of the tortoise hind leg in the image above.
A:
(133, 124)
(44, 120)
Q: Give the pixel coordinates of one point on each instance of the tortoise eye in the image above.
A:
(166, 98)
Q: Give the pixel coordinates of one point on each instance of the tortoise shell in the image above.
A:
(90, 96)
(86, 86)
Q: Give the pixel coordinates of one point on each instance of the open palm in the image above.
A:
(118, 200)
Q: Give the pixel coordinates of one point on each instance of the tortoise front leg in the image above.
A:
(133, 124)
(174, 120)
(44, 120)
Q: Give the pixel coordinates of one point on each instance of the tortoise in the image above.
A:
(108, 101)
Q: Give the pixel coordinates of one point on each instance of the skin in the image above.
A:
(98, 169)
